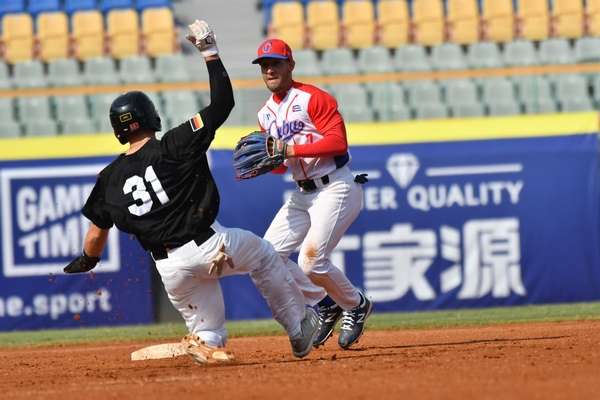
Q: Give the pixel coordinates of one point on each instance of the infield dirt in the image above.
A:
(525, 361)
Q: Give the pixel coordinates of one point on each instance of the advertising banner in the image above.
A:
(41, 231)
(453, 224)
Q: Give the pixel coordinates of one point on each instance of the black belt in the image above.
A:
(160, 253)
(309, 185)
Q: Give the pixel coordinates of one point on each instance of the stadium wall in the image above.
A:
(457, 213)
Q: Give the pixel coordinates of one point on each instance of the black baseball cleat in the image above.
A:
(328, 316)
(353, 322)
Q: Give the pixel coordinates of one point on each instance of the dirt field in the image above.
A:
(536, 361)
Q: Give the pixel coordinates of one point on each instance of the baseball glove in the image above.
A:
(257, 154)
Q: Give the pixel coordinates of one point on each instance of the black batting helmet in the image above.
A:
(133, 111)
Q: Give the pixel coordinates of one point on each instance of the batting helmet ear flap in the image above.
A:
(131, 112)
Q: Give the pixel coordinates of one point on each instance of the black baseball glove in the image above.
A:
(83, 263)
(257, 154)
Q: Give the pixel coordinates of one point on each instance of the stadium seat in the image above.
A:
(431, 111)
(338, 61)
(352, 102)
(463, 21)
(498, 20)
(123, 33)
(251, 100)
(388, 101)
(587, 49)
(411, 58)
(9, 129)
(33, 108)
(484, 55)
(592, 13)
(64, 72)
(572, 92)
(534, 19)
(179, 105)
(465, 110)
(287, 23)
(141, 5)
(358, 17)
(448, 56)
(108, 5)
(158, 29)
(12, 7)
(374, 60)
(71, 107)
(499, 96)
(535, 94)
(29, 74)
(423, 93)
(460, 91)
(53, 36)
(567, 18)
(428, 22)
(71, 6)
(307, 63)
(88, 34)
(555, 51)
(100, 71)
(40, 127)
(5, 80)
(393, 22)
(136, 69)
(323, 24)
(17, 37)
(102, 124)
(99, 108)
(76, 126)
(520, 53)
(43, 6)
(171, 68)
(7, 109)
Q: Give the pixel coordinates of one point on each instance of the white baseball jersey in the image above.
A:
(300, 118)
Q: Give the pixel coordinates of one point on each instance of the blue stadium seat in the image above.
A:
(107, 5)
(143, 4)
(79, 5)
(11, 6)
(38, 6)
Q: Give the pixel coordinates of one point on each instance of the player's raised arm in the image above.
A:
(221, 93)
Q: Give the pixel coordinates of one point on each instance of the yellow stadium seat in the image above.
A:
(88, 34)
(158, 28)
(53, 36)
(534, 19)
(17, 36)
(287, 23)
(428, 21)
(323, 24)
(359, 24)
(394, 22)
(592, 12)
(123, 33)
(567, 18)
(498, 20)
(463, 21)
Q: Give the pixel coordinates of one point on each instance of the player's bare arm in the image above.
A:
(93, 245)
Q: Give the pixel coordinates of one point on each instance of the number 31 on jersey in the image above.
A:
(136, 186)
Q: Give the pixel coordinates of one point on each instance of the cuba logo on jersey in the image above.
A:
(289, 129)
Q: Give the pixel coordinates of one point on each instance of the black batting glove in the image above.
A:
(83, 263)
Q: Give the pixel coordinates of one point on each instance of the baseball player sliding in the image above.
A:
(163, 193)
(304, 132)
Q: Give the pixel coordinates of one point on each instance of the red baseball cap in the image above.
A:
(273, 48)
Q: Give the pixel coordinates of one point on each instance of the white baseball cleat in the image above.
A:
(202, 353)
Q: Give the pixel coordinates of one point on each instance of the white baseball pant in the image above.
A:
(197, 295)
(316, 221)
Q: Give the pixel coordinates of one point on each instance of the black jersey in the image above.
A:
(164, 193)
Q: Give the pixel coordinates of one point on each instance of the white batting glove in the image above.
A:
(203, 38)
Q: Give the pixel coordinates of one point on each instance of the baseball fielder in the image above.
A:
(311, 135)
(163, 193)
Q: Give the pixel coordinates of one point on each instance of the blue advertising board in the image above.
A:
(42, 230)
(452, 224)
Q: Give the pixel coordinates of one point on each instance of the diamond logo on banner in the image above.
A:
(403, 167)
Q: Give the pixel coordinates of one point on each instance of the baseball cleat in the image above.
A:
(328, 317)
(202, 353)
(309, 328)
(353, 323)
